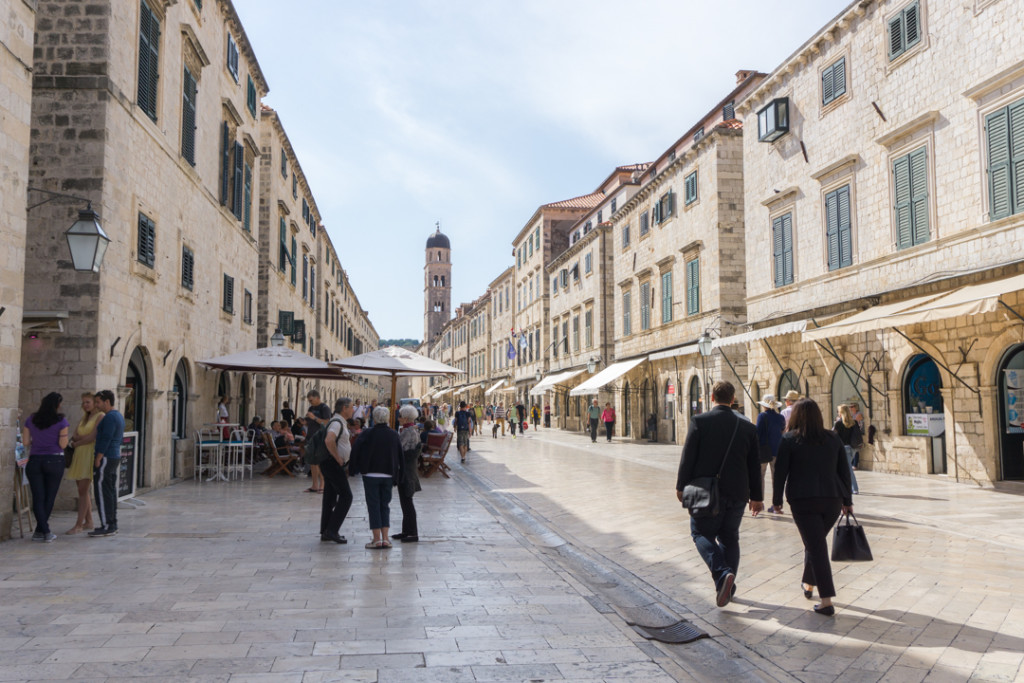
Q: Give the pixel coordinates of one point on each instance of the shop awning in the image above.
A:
(494, 388)
(549, 382)
(874, 318)
(672, 353)
(970, 300)
(606, 376)
(761, 333)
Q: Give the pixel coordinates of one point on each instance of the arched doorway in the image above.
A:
(845, 389)
(179, 411)
(670, 409)
(136, 382)
(1011, 413)
(223, 389)
(645, 409)
(788, 382)
(627, 430)
(923, 413)
(696, 402)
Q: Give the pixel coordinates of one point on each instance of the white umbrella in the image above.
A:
(396, 362)
(277, 361)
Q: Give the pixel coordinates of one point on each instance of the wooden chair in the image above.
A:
(280, 458)
(434, 452)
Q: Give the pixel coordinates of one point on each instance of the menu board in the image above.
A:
(126, 469)
(1014, 398)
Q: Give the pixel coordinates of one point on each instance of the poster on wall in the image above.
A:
(1014, 399)
(126, 470)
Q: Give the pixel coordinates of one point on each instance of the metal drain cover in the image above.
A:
(680, 632)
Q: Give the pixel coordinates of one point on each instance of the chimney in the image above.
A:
(742, 75)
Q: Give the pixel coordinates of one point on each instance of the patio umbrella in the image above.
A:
(395, 362)
(277, 361)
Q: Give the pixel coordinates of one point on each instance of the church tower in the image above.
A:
(437, 285)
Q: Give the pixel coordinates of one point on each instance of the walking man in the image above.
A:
(499, 417)
(109, 434)
(594, 413)
(721, 444)
(463, 423)
(337, 493)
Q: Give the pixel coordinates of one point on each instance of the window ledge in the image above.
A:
(780, 196)
(144, 272)
(993, 83)
(926, 119)
(827, 109)
(186, 295)
(899, 61)
(848, 160)
(225, 316)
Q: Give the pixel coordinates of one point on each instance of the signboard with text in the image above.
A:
(126, 469)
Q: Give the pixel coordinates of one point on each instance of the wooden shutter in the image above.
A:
(239, 176)
(670, 201)
(729, 112)
(693, 287)
(626, 303)
(904, 215)
(188, 261)
(998, 132)
(225, 162)
(839, 78)
(656, 213)
(1016, 123)
(643, 223)
(229, 294)
(787, 249)
(691, 188)
(188, 118)
(645, 306)
(282, 258)
(147, 239)
(247, 208)
(911, 25)
(827, 87)
(919, 194)
(666, 297)
(149, 53)
(896, 36)
(845, 228)
(292, 254)
(777, 254)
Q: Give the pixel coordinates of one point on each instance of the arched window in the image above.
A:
(179, 427)
(846, 388)
(788, 382)
(696, 403)
(442, 280)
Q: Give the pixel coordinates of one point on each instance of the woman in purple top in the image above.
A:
(45, 436)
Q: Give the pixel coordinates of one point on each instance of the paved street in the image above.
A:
(534, 556)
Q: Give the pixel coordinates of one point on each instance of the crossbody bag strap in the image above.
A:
(728, 449)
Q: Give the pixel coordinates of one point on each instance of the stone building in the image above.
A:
(582, 288)
(501, 383)
(543, 236)
(679, 261)
(17, 30)
(885, 218)
(437, 285)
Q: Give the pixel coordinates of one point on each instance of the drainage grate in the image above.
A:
(679, 632)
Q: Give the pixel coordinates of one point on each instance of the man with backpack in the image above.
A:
(463, 422)
(331, 448)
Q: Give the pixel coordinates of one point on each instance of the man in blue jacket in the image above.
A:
(109, 434)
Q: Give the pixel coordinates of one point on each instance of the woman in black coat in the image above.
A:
(812, 469)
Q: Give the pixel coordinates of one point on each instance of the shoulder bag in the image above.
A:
(701, 495)
(849, 544)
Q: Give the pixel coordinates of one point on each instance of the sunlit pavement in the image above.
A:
(942, 601)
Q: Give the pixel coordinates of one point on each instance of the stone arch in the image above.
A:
(989, 365)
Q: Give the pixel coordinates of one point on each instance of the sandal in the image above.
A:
(310, 490)
(385, 544)
(76, 529)
(373, 545)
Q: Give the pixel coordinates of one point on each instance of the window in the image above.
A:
(293, 259)
(576, 334)
(664, 208)
(284, 164)
(729, 111)
(188, 267)
(232, 58)
(247, 200)
(188, 117)
(625, 235)
(295, 186)
(693, 287)
(645, 306)
(554, 285)
(782, 249)
(305, 277)
(147, 241)
(531, 247)
(282, 254)
(773, 120)
(838, 232)
(250, 95)
(691, 188)
(666, 297)
(698, 135)
(833, 81)
(149, 59)
(614, 205)
(588, 329)
(904, 30)
(644, 224)
(910, 182)
(536, 238)
(312, 286)
(565, 336)
(247, 307)
(229, 294)
(600, 216)
(239, 176)
(627, 322)
(587, 227)
(1004, 130)
(587, 263)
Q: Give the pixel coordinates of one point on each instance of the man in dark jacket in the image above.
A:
(719, 441)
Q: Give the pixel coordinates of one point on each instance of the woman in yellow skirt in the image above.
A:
(84, 441)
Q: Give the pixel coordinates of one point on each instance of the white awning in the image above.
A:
(970, 300)
(606, 376)
(761, 333)
(874, 318)
(494, 388)
(549, 382)
(687, 350)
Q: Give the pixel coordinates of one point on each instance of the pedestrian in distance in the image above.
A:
(849, 433)
(770, 426)
(80, 470)
(316, 417)
(109, 435)
(521, 416)
(608, 417)
(721, 444)
(337, 498)
(547, 415)
(45, 436)
(377, 454)
(463, 426)
(409, 481)
(791, 397)
(535, 416)
(287, 414)
(499, 417)
(813, 472)
(594, 414)
(478, 419)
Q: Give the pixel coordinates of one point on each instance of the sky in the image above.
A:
(472, 113)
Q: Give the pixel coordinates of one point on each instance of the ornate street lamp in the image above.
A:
(87, 241)
(704, 345)
(277, 339)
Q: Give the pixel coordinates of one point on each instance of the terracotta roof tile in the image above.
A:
(634, 167)
(734, 124)
(587, 201)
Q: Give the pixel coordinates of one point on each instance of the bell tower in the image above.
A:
(437, 285)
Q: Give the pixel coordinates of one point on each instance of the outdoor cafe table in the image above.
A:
(221, 446)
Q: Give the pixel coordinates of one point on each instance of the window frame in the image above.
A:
(837, 191)
(188, 268)
(147, 96)
(145, 245)
(827, 77)
(777, 221)
(228, 294)
(900, 17)
(231, 61)
(666, 297)
(912, 203)
(693, 286)
(690, 187)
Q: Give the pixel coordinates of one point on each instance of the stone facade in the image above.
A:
(17, 27)
(924, 99)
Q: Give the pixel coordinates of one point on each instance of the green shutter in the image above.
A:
(777, 251)
(693, 287)
(845, 227)
(919, 193)
(839, 78)
(188, 117)
(787, 248)
(690, 186)
(146, 251)
(911, 26)
(282, 258)
(904, 205)
(827, 90)
(896, 45)
(1016, 112)
(247, 208)
(656, 213)
(225, 162)
(666, 297)
(999, 176)
(832, 229)
(239, 179)
(229, 294)
(149, 59)
(671, 203)
(292, 254)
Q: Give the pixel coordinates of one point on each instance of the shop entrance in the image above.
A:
(135, 411)
(923, 413)
(1011, 413)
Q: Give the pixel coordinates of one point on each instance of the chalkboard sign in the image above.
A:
(126, 470)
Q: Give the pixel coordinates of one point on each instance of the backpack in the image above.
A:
(316, 446)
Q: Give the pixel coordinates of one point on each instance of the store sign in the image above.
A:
(1013, 397)
(917, 424)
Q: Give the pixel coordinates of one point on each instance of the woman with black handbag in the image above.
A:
(812, 469)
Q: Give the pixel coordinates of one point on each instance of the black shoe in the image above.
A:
(829, 611)
(410, 539)
(398, 537)
(103, 531)
(325, 538)
(807, 593)
(725, 590)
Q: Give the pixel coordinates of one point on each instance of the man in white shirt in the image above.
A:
(337, 493)
(791, 397)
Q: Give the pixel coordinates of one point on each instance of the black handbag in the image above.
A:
(849, 544)
(69, 455)
(701, 495)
